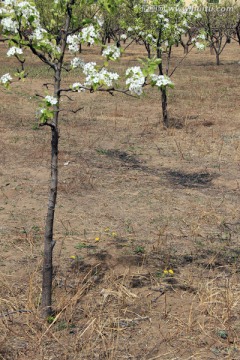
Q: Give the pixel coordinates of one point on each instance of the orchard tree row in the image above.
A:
(52, 29)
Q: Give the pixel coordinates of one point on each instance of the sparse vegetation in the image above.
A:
(147, 231)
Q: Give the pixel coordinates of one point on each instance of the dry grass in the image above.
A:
(156, 199)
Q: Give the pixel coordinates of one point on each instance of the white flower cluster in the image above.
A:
(77, 87)
(201, 36)
(161, 80)
(112, 52)
(199, 45)
(123, 37)
(28, 11)
(19, 14)
(95, 77)
(9, 25)
(51, 100)
(135, 80)
(14, 51)
(89, 34)
(89, 68)
(99, 20)
(38, 34)
(77, 62)
(6, 78)
(150, 38)
(9, 2)
(73, 42)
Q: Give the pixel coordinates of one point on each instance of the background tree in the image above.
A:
(219, 23)
(24, 30)
(160, 26)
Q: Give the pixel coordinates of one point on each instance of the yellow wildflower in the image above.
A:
(171, 272)
(97, 239)
(114, 234)
(107, 229)
(165, 272)
(73, 257)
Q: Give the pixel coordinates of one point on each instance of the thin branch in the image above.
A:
(52, 126)
(15, 312)
(47, 84)
(128, 45)
(68, 97)
(110, 91)
(41, 56)
(72, 111)
(179, 63)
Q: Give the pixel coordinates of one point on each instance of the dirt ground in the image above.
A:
(147, 221)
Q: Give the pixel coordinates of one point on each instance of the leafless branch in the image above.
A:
(15, 312)
(178, 64)
(52, 126)
(47, 85)
(72, 111)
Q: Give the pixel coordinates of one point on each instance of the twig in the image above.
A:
(71, 111)
(15, 312)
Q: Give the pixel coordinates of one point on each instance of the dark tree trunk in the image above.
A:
(48, 241)
(164, 107)
(217, 58)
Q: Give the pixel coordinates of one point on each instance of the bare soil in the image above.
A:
(147, 220)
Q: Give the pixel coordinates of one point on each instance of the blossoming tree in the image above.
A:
(23, 29)
(220, 23)
(160, 26)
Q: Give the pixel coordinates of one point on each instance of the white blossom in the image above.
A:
(99, 20)
(14, 51)
(112, 52)
(95, 77)
(199, 46)
(88, 34)
(73, 42)
(161, 80)
(77, 62)
(9, 2)
(77, 87)
(123, 37)
(135, 80)
(201, 36)
(9, 25)
(6, 78)
(89, 67)
(28, 11)
(38, 34)
(51, 100)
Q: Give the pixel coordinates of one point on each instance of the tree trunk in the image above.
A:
(186, 49)
(49, 242)
(164, 107)
(217, 59)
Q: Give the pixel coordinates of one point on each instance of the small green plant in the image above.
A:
(102, 151)
(50, 319)
(139, 249)
(80, 246)
(62, 325)
(222, 334)
(35, 127)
